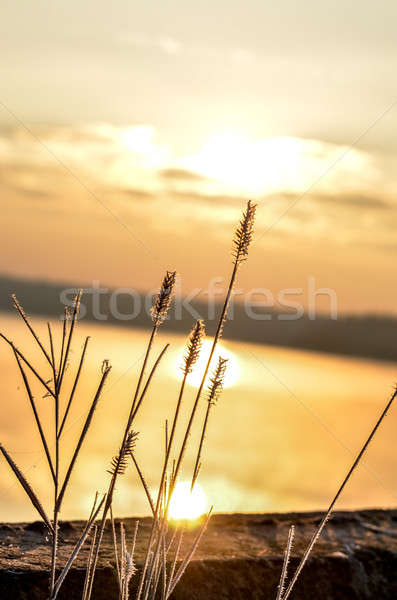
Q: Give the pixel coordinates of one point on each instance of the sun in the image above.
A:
(249, 165)
(232, 373)
(187, 505)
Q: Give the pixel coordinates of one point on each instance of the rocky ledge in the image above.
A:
(240, 558)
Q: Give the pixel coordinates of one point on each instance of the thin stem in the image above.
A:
(200, 389)
(77, 548)
(133, 411)
(174, 562)
(28, 325)
(51, 349)
(27, 487)
(36, 415)
(338, 493)
(56, 505)
(146, 387)
(214, 392)
(89, 561)
(144, 484)
(54, 550)
(284, 570)
(190, 423)
(116, 553)
(83, 434)
(189, 555)
(171, 440)
(69, 404)
(197, 463)
(161, 485)
(54, 368)
(62, 366)
(28, 364)
(64, 324)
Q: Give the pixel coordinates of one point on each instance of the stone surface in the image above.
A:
(240, 557)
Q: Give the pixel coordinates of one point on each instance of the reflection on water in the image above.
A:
(278, 439)
(232, 372)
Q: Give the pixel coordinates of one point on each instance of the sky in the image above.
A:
(132, 134)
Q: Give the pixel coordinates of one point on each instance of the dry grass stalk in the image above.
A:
(215, 389)
(241, 243)
(119, 462)
(52, 387)
(242, 239)
(327, 515)
(284, 570)
(188, 556)
(27, 487)
(163, 299)
(89, 564)
(159, 312)
(244, 233)
(27, 323)
(79, 544)
(159, 548)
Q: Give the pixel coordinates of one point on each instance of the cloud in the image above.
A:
(130, 169)
(130, 194)
(356, 201)
(338, 200)
(181, 175)
(209, 199)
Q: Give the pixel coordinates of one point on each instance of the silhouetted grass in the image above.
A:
(163, 566)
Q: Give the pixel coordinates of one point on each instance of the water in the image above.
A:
(280, 438)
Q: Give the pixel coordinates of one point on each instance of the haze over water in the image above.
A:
(278, 439)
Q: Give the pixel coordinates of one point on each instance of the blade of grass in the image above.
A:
(76, 306)
(64, 326)
(53, 365)
(36, 415)
(77, 548)
(27, 487)
(284, 570)
(28, 364)
(174, 562)
(147, 384)
(189, 555)
(190, 358)
(214, 392)
(29, 326)
(76, 380)
(144, 484)
(133, 411)
(116, 553)
(83, 434)
(89, 561)
(327, 515)
(241, 243)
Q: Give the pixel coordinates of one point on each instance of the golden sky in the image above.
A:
(132, 135)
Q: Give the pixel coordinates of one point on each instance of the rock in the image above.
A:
(240, 558)
(37, 527)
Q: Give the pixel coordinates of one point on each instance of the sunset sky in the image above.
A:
(132, 134)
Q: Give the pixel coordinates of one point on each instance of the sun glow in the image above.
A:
(256, 166)
(141, 142)
(186, 504)
(232, 373)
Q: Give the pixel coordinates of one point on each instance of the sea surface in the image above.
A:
(280, 438)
